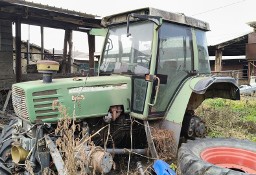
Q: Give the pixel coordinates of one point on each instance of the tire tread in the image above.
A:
(190, 162)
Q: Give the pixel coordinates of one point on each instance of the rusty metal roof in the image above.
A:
(252, 24)
(44, 15)
(233, 47)
(168, 16)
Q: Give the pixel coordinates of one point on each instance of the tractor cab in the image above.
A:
(159, 51)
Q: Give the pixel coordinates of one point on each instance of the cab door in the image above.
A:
(142, 89)
(174, 63)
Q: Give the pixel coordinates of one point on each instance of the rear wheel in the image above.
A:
(217, 157)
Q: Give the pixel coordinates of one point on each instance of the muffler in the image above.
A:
(19, 154)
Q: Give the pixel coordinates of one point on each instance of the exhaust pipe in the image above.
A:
(18, 154)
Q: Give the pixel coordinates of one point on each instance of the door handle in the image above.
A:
(157, 90)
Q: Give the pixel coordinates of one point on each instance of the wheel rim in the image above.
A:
(233, 158)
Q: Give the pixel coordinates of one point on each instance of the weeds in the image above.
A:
(165, 143)
(224, 118)
(79, 153)
(67, 142)
(227, 118)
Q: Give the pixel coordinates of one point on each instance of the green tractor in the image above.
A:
(154, 72)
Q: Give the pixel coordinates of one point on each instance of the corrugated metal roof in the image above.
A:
(232, 47)
(47, 7)
(45, 15)
(252, 24)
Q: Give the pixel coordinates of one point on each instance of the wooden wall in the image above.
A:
(6, 55)
(231, 64)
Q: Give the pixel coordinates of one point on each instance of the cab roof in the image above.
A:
(167, 16)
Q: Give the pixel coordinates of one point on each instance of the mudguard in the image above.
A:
(224, 87)
(191, 94)
(200, 88)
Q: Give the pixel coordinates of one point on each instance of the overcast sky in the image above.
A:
(227, 18)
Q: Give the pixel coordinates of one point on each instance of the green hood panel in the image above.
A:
(33, 100)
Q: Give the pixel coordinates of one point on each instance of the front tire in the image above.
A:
(5, 148)
(217, 156)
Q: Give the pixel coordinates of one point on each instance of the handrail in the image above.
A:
(157, 90)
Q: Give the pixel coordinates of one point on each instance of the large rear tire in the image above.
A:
(5, 148)
(218, 156)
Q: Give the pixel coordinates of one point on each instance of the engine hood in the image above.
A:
(33, 100)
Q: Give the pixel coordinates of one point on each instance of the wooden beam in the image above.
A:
(91, 42)
(218, 60)
(18, 50)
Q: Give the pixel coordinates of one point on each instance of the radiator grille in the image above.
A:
(43, 104)
(19, 102)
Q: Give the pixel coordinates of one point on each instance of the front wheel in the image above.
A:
(217, 156)
(5, 148)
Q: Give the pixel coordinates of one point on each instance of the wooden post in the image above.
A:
(42, 42)
(28, 52)
(253, 69)
(18, 50)
(218, 60)
(70, 44)
(249, 72)
(28, 46)
(91, 42)
(63, 70)
(53, 53)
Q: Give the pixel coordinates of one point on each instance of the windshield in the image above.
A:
(128, 55)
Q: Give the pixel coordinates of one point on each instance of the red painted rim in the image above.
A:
(233, 158)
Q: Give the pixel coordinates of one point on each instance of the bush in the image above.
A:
(227, 118)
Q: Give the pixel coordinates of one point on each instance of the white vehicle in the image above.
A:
(247, 89)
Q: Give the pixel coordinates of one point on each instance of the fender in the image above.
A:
(191, 94)
(213, 87)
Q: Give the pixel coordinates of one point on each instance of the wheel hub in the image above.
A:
(233, 158)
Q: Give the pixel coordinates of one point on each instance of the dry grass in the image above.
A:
(165, 143)
(69, 144)
(70, 135)
(48, 171)
(224, 118)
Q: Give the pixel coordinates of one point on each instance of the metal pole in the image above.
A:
(126, 151)
(42, 42)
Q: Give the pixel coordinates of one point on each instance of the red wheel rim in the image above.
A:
(232, 158)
